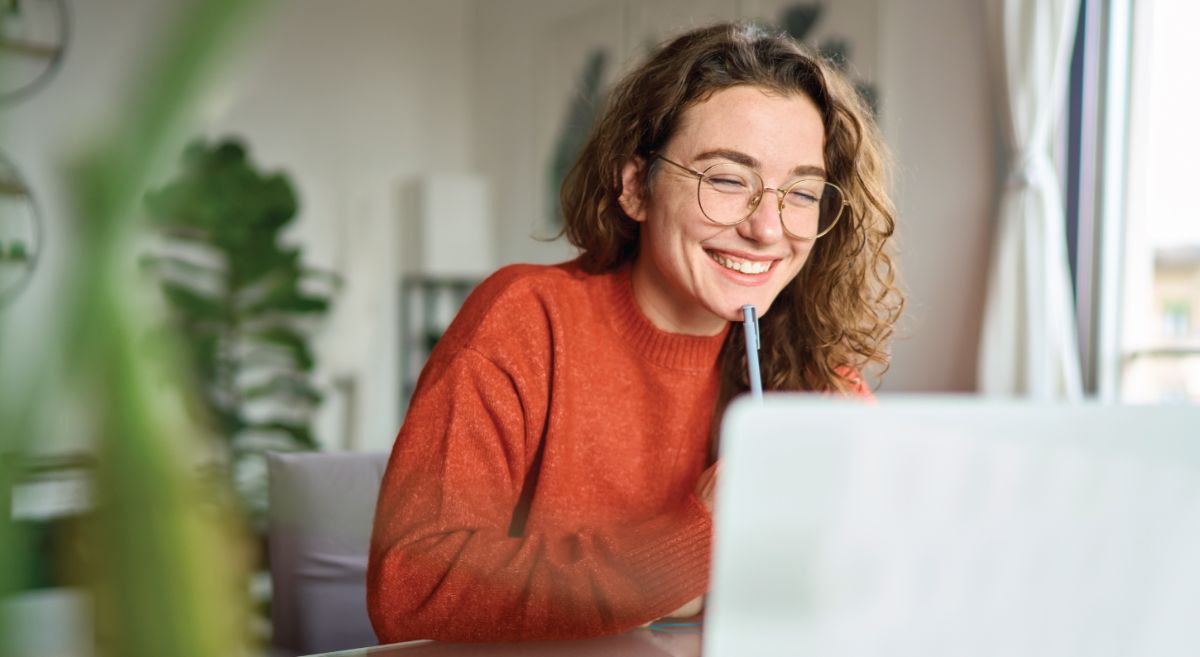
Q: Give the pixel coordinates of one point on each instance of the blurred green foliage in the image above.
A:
(242, 300)
(166, 562)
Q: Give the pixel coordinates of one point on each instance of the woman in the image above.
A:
(553, 478)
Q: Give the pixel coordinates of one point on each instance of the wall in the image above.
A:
(354, 100)
(940, 118)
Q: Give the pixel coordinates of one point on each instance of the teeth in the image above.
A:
(744, 266)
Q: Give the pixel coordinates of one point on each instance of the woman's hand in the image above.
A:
(692, 608)
(706, 487)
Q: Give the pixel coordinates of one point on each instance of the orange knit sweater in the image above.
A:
(541, 486)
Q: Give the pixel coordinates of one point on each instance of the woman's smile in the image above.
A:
(742, 269)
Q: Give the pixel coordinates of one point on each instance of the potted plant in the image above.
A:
(243, 301)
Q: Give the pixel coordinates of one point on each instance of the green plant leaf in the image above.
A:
(284, 387)
(299, 433)
(287, 340)
(159, 263)
(192, 303)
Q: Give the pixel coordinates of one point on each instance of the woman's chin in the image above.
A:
(734, 313)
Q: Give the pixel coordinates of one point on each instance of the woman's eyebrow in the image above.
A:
(731, 155)
(807, 170)
(803, 170)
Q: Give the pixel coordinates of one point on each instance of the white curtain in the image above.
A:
(1028, 345)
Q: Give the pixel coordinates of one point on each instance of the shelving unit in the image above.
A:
(427, 306)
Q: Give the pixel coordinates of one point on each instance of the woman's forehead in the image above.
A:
(773, 129)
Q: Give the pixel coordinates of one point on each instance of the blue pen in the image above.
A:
(750, 324)
(674, 626)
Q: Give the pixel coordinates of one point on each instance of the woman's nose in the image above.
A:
(764, 224)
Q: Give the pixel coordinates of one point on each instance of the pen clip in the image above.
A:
(753, 345)
(750, 323)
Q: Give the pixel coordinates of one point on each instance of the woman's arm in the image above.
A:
(443, 563)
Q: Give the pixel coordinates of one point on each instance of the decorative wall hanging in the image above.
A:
(20, 232)
(33, 39)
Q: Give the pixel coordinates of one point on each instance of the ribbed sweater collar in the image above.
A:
(674, 350)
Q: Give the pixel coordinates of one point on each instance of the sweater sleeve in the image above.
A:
(443, 564)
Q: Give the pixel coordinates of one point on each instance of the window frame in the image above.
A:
(1096, 187)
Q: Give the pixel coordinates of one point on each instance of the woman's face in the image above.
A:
(692, 276)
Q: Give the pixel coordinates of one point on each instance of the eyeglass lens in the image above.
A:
(730, 192)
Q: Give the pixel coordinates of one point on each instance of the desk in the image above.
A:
(656, 642)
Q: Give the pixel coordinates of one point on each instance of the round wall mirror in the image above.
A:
(33, 38)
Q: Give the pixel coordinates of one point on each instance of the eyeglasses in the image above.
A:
(729, 193)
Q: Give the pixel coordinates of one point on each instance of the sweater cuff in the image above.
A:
(673, 569)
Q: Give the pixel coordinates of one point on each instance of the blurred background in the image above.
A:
(390, 153)
(391, 116)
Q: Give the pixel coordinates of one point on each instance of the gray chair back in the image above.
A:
(319, 529)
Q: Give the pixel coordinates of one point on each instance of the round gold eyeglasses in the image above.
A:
(729, 193)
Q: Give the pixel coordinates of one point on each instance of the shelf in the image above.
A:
(427, 306)
(1165, 351)
(13, 189)
(30, 49)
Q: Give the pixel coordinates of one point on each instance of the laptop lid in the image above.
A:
(956, 526)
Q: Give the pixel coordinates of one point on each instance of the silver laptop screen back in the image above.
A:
(936, 526)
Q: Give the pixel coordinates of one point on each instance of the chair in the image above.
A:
(319, 529)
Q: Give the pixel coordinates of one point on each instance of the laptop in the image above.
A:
(956, 526)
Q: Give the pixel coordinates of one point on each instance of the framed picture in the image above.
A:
(577, 59)
(844, 31)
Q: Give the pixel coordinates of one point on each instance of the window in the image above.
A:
(1176, 320)
(1146, 342)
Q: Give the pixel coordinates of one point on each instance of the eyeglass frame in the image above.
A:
(780, 193)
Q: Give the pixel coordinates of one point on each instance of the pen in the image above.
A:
(750, 323)
(674, 626)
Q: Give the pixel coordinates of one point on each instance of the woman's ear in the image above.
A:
(631, 189)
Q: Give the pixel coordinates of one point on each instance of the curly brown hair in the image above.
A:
(834, 320)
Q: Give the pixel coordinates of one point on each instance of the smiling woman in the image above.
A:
(694, 273)
(554, 475)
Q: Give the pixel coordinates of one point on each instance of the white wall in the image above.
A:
(940, 118)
